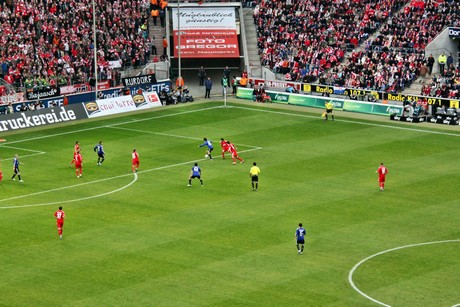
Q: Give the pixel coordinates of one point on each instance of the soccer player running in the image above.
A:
(135, 157)
(234, 153)
(195, 173)
(329, 109)
(382, 171)
(60, 217)
(75, 149)
(300, 238)
(209, 146)
(16, 168)
(99, 149)
(225, 147)
(78, 164)
(254, 174)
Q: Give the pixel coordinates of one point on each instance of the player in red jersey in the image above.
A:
(235, 156)
(60, 217)
(382, 171)
(135, 156)
(75, 149)
(78, 164)
(225, 147)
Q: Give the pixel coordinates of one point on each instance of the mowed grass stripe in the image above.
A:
(223, 244)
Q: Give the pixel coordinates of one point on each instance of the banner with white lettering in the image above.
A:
(42, 117)
(139, 80)
(205, 32)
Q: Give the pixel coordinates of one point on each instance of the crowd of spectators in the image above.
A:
(396, 57)
(302, 39)
(43, 42)
(308, 40)
(444, 86)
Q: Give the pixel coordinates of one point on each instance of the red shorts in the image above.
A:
(60, 223)
(381, 178)
(77, 165)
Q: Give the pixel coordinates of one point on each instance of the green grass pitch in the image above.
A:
(149, 240)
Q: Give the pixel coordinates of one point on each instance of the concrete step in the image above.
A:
(251, 40)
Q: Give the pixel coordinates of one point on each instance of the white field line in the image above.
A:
(25, 156)
(24, 149)
(35, 152)
(351, 121)
(96, 181)
(72, 200)
(200, 110)
(111, 125)
(236, 107)
(175, 136)
(352, 271)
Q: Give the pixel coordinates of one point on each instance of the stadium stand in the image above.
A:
(304, 39)
(375, 45)
(46, 43)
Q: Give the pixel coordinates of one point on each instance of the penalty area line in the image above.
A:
(109, 126)
(174, 135)
(96, 181)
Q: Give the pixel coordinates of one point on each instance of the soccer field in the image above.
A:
(146, 239)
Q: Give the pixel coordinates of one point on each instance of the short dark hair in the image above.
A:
(300, 224)
(196, 164)
(60, 207)
(254, 163)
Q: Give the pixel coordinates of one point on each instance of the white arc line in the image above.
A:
(74, 200)
(350, 275)
(100, 180)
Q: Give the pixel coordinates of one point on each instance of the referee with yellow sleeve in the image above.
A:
(254, 174)
(329, 107)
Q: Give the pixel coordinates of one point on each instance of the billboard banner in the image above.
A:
(275, 83)
(454, 32)
(139, 80)
(326, 89)
(372, 108)
(205, 32)
(121, 104)
(42, 93)
(42, 117)
(204, 18)
(163, 85)
(207, 44)
(319, 102)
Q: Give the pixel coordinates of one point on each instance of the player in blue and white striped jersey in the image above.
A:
(300, 238)
(99, 149)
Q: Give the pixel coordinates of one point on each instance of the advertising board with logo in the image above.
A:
(319, 102)
(121, 104)
(276, 83)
